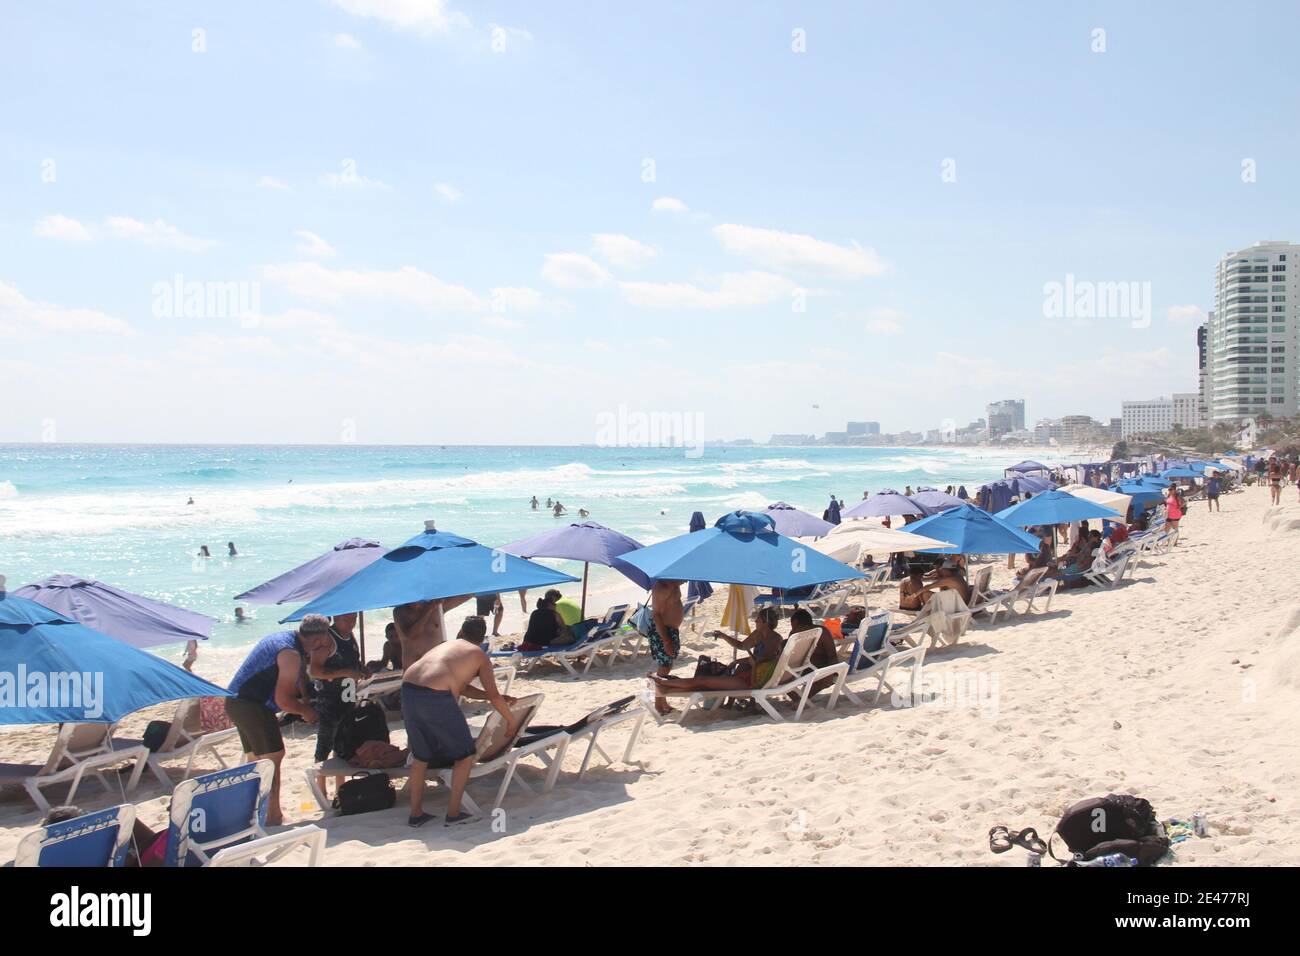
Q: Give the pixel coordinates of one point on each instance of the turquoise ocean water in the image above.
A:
(118, 512)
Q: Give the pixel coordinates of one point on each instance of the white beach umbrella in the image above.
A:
(1101, 496)
(874, 539)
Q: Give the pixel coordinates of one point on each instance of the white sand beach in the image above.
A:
(1181, 686)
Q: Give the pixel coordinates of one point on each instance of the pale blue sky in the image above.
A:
(480, 169)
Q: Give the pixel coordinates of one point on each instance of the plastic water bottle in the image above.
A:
(1110, 859)
(1034, 859)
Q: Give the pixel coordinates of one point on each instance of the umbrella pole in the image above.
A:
(362, 621)
(585, 566)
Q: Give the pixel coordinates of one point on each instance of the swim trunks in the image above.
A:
(657, 649)
(435, 728)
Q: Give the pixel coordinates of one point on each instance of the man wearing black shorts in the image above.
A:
(489, 605)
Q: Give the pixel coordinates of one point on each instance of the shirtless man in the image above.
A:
(435, 727)
(666, 616)
(420, 625)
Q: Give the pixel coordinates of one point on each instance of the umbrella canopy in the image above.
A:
(1140, 494)
(587, 542)
(875, 540)
(793, 523)
(1028, 467)
(1154, 481)
(1035, 483)
(432, 565)
(883, 504)
(974, 531)
(1055, 507)
(741, 548)
(1183, 472)
(932, 500)
(311, 580)
(1114, 500)
(62, 671)
(139, 621)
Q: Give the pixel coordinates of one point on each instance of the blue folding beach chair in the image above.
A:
(97, 839)
(221, 817)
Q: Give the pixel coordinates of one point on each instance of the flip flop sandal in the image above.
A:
(1029, 839)
(1000, 839)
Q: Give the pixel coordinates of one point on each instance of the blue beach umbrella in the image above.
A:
(741, 548)
(1027, 468)
(1035, 483)
(139, 621)
(934, 501)
(1181, 472)
(1154, 481)
(1142, 494)
(793, 523)
(1055, 507)
(54, 670)
(432, 565)
(974, 531)
(318, 575)
(885, 503)
(588, 542)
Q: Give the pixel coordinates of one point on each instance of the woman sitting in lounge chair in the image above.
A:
(763, 646)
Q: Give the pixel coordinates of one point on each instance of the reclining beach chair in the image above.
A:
(607, 635)
(497, 753)
(951, 618)
(876, 577)
(1107, 571)
(790, 676)
(880, 667)
(589, 729)
(1033, 585)
(983, 599)
(227, 810)
(79, 749)
(185, 742)
(95, 840)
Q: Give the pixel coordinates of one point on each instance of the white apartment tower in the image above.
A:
(1253, 334)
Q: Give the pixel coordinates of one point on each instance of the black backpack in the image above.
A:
(360, 722)
(1115, 823)
(365, 793)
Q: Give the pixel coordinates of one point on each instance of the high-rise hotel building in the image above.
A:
(1254, 334)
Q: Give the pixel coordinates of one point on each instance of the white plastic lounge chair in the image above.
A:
(227, 809)
(1107, 572)
(97, 839)
(785, 680)
(500, 754)
(185, 742)
(877, 576)
(590, 727)
(690, 612)
(79, 749)
(1033, 585)
(880, 670)
(985, 600)
(805, 666)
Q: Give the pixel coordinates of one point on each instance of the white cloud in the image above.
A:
(573, 270)
(596, 345)
(730, 290)
(884, 321)
(62, 228)
(621, 251)
(407, 285)
(270, 182)
(349, 178)
(1186, 314)
(21, 316)
(668, 204)
(346, 41)
(515, 299)
(425, 17)
(496, 321)
(158, 233)
(314, 246)
(447, 192)
(800, 253)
